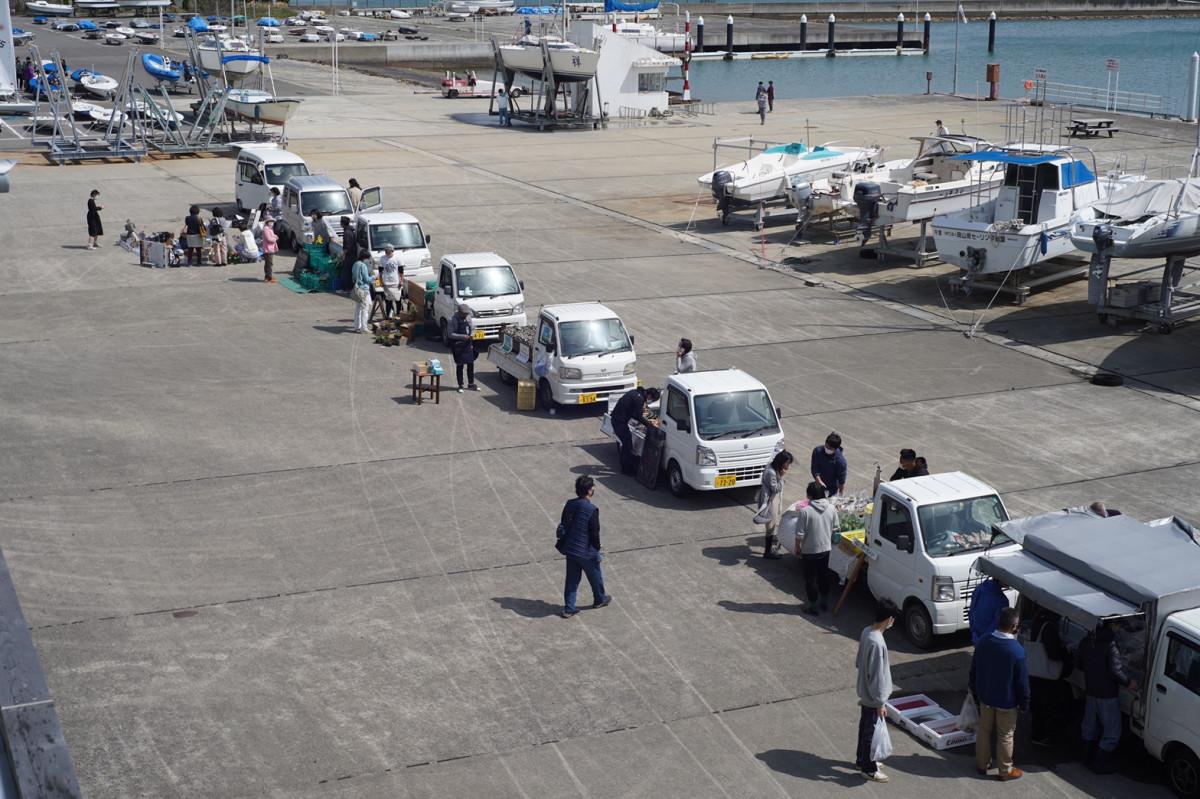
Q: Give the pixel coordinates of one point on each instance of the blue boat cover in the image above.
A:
(262, 59)
(1002, 157)
(198, 25)
(1076, 173)
(795, 148)
(268, 22)
(156, 66)
(613, 5)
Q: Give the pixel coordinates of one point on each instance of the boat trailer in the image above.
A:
(1173, 298)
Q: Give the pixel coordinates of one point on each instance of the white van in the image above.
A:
(403, 231)
(487, 284)
(303, 195)
(923, 539)
(721, 429)
(261, 168)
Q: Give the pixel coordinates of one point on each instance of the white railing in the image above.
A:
(1103, 98)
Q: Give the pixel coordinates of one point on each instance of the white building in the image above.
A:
(632, 78)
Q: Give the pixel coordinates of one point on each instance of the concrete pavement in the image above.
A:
(253, 568)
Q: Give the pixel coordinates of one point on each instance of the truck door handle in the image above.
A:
(878, 543)
(1162, 689)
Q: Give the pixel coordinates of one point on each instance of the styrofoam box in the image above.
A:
(929, 721)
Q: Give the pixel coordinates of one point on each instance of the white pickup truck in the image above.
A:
(377, 229)
(579, 354)
(922, 541)
(721, 430)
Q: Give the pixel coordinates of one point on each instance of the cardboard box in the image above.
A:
(526, 395)
(929, 721)
(420, 367)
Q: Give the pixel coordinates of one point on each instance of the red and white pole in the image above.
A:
(687, 54)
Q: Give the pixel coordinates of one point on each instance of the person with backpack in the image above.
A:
(579, 541)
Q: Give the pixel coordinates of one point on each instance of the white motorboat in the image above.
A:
(146, 37)
(106, 116)
(571, 63)
(144, 3)
(768, 175)
(646, 34)
(125, 31)
(98, 85)
(323, 28)
(254, 105)
(44, 8)
(11, 105)
(1043, 196)
(95, 5)
(1150, 219)
(309, 37)
(217, 49)
(114, 38)
(83, 110)
(399, 13)
(481, 6)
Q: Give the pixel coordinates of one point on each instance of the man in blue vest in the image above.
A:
(579, 541)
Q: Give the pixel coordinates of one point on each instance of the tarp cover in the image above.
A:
(614, 5)
(1104, 565)
(1144, 198)
(1056, 590)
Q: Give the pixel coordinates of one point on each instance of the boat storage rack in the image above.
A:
(757, 214)
(543, 108)
(1164, 303)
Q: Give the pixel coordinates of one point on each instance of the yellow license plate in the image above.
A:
(584, 399)
(725, 481)
(478, 334)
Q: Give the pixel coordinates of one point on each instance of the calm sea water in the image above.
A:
(1154, 57)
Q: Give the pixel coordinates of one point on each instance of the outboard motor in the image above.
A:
(720, 190)
(801, 195)
(1102, 237)
(866, 197)
(975, 257)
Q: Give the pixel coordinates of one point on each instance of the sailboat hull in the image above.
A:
(261, 107)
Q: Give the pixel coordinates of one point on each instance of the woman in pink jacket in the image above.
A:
(270, 246)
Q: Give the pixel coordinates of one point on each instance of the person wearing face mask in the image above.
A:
(95, 226)
(829, 465)
(685, 359)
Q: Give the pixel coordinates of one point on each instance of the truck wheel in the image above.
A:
(1183, 772)
(546, 396)
(918, 627)
(675, 480)
(506, 378)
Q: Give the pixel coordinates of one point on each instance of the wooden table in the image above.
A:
(426, 383)
(1091, 127)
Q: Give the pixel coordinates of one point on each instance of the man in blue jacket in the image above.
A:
(579, 541)
(829, 465)
(999, 681)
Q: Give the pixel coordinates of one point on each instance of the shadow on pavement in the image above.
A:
(529, 608)
(336, 329)
(808, 766)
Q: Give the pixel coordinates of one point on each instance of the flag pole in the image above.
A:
(957, 19)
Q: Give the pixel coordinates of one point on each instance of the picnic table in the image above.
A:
(1091, 127)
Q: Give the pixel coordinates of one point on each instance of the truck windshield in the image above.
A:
(954, 528)
(737, 414)
(278, 174)
(487, 281)
(334, 201)
(592, 337)
(403, 236)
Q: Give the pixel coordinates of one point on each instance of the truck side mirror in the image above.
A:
(428, 238)
(904, 542)
(632, 340)
(778, 413)
(521, 285)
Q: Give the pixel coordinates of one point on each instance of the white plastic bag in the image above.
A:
(968, 717)
(881, 742)
(786, 531)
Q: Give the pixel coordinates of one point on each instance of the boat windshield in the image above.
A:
(334, 201)
(402, 236)
(487, 281)
(735, 414)
(962, 526)
(593, 337)
(278, 174)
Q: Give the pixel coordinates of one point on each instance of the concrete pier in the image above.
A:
(253, 568)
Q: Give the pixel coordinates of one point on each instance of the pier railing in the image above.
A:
(1103, 98)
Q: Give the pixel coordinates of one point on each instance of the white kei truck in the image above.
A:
(1091, 570)
(922, 541)
(721, 430)
(578, 354)
(486, 283)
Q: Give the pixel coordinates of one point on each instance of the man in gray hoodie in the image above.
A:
(874, 685)
(816, 524)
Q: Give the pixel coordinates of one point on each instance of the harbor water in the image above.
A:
(1153, 54)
